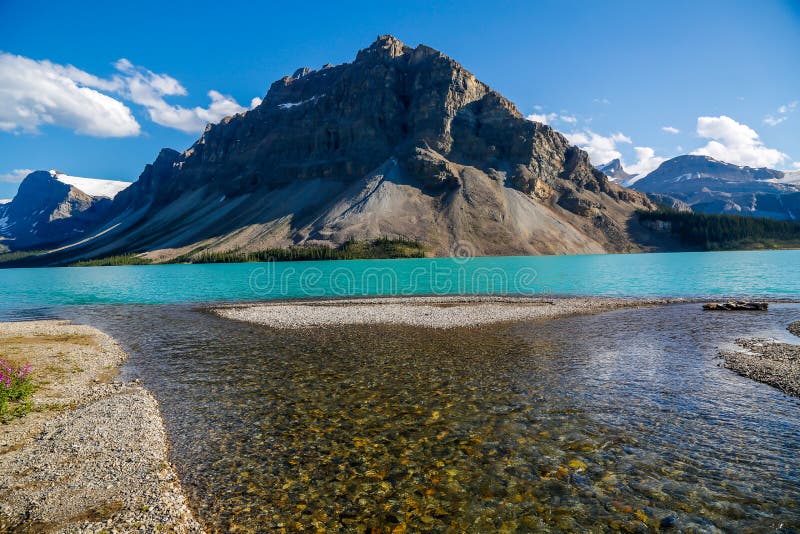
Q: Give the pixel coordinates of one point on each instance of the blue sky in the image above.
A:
(642, 80)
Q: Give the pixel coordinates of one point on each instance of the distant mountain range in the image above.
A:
(707, 185)
(401, 142)
(52, 208)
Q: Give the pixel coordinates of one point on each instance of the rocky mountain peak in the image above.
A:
(614, 170)
(402, 141)
(384, 47)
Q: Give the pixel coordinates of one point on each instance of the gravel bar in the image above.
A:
(433, 312)
(92, 454)
(768, 361)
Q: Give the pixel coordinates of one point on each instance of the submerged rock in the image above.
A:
(668, 522)
(738, 305)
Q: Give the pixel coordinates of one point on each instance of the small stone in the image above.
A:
(668, 522)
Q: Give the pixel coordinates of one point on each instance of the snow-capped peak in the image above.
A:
(4, 201)
(91, 186)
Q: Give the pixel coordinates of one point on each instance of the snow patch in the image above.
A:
(4, 201)
(289, 105)
(92, 186)
(790, 178)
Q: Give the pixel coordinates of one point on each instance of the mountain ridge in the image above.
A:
(708, 185)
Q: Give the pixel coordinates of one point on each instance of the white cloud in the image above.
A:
(774, 121)
(148, 89)
(15, 176)
(670, 129)
(602, 101)
(36, 93)
(646, 162)
(255, 102)
(735, 143)
(621, 138)
(544, 118)
(783, 112)
(550, 118)
(601, 149)
(796, 165)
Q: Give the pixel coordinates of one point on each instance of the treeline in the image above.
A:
(6, 257)
(381, 248)
(724, 232)
(113, 261)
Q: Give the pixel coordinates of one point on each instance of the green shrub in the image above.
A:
(16, 387)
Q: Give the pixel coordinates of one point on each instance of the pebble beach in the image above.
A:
(91, 456)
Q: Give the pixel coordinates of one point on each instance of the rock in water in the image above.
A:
(738, 305)
(401, 142)
(667, 522)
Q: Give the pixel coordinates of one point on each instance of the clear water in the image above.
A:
(597, 423)
(600, 423)
(761, 273)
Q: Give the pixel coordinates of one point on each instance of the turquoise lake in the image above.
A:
(693, 274)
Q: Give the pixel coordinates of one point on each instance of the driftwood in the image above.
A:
(737, 305)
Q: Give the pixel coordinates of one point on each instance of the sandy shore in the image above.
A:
(92, 455)
(768, 361)
(433, 312)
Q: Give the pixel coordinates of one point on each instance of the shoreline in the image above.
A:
(424, 311)
(771, 362)
(92, 455)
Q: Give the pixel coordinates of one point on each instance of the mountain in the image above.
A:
(401, 142)
(51, 207)
(613, 169)
(711, 186)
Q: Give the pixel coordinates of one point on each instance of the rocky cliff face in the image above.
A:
(710, 186)
(403, 141)
(47, 211)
